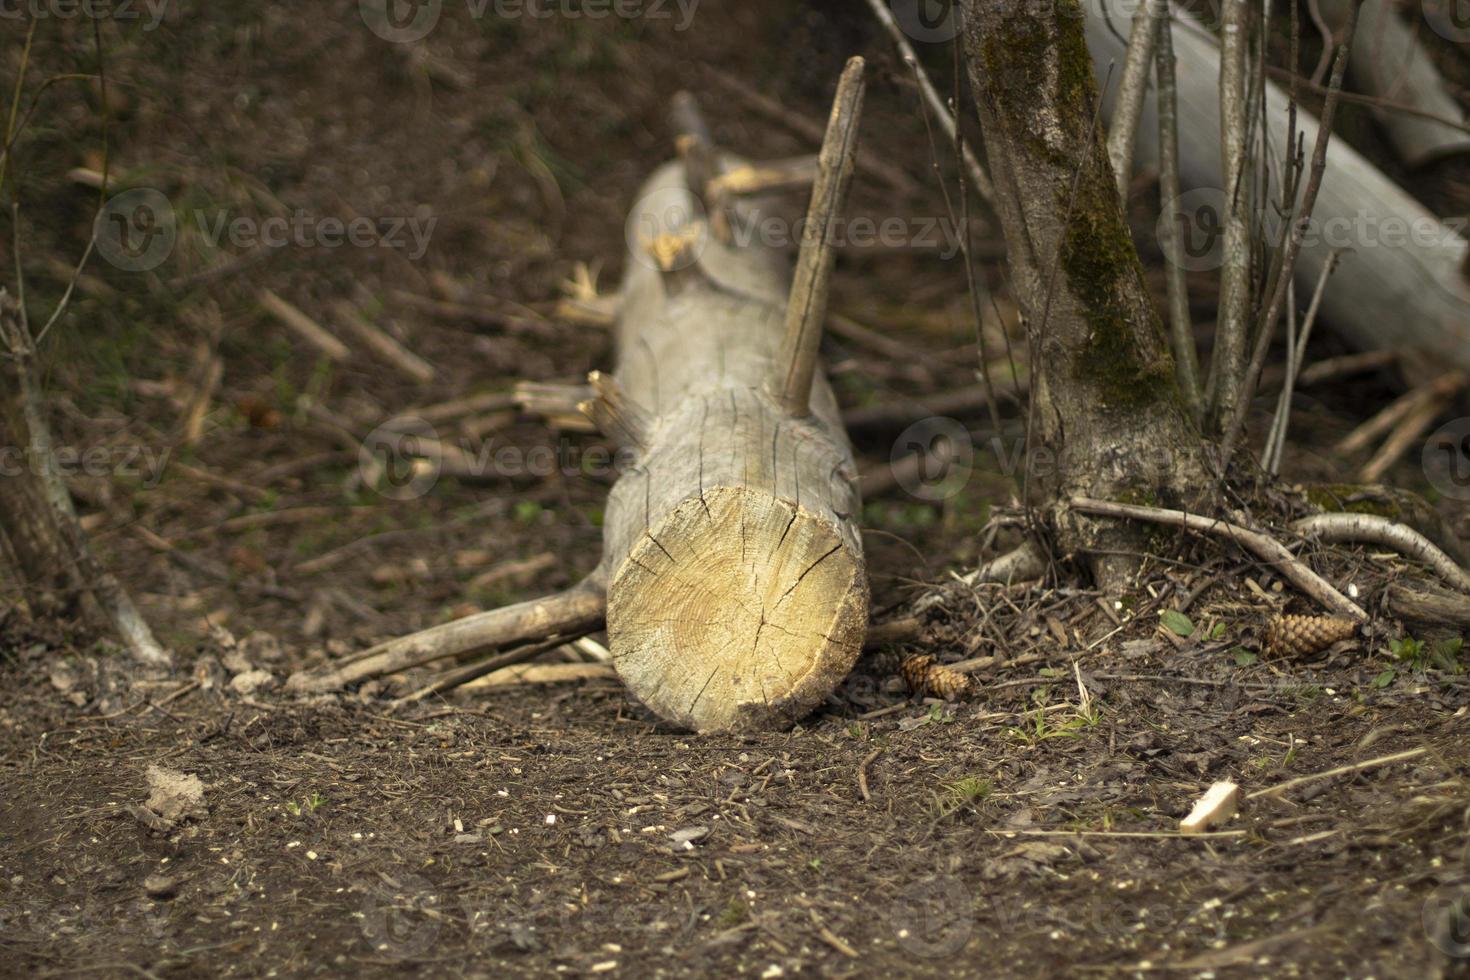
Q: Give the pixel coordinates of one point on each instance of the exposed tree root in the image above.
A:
(1370, 528)
(1266, 548)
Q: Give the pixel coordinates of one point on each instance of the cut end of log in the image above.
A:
(739, 611)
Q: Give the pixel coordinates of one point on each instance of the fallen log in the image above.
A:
(736, 592)
(1400, 283)
(1390, 64)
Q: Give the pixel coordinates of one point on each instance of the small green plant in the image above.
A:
(733, 914)
(1041, 728)
(1416, 655)
(967, 792)
(527, 511)
(309, 804)
(1176, 622)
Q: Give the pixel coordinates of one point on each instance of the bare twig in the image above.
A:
(806, 308)
(1381, 760)
(1267, 549)
(1227, 367)
(942, 112)
(1286, 259)
(1181, 330)
(1344, 527)
(1406, 434)
(1025, 562)
(1276, 443)
(1132, 85)
(389, 350)
(1400, 409)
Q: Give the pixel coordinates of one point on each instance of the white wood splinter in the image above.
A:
(1217, 806)
(737, 592)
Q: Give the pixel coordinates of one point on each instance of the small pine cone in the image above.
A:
(1300, 636)
(924, 676)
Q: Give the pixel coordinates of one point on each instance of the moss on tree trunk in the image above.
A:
(1109, 410)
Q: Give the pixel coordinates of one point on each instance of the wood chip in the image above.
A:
(1214, 808)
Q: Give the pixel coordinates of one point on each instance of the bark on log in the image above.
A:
(1401, 283)
(737, 590)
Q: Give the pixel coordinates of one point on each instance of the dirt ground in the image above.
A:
(543, 830)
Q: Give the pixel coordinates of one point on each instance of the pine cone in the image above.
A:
(924, 676)
(1302, 636)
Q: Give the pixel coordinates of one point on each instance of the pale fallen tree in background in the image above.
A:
(732, 581)
(1414, 104)
(1401, 285)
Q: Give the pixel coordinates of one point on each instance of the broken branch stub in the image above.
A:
(737, 590)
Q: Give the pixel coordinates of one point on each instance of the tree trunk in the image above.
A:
(1109, 420)
(37, 520)
(737, 591)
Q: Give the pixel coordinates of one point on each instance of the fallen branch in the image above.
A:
(570, 614)
(1267, 549)
(304, 326)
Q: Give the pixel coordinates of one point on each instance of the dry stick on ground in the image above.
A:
(1181, 330)
(570, 614)
(1428, 607)
(1227, 367)
(1381, 760)
(1346, 365)
(1132, 86)
(736, 588)
(1276, 442)
(1408, 432)
(1267, 549)
(1396, 412)
(947, 122)
(1341, 527)
(37, 518)
(390, 351)
(304, 326)
(1285, 264)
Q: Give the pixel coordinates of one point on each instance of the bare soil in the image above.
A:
(560, 829)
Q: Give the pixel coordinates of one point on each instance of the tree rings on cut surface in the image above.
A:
(738, 611)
